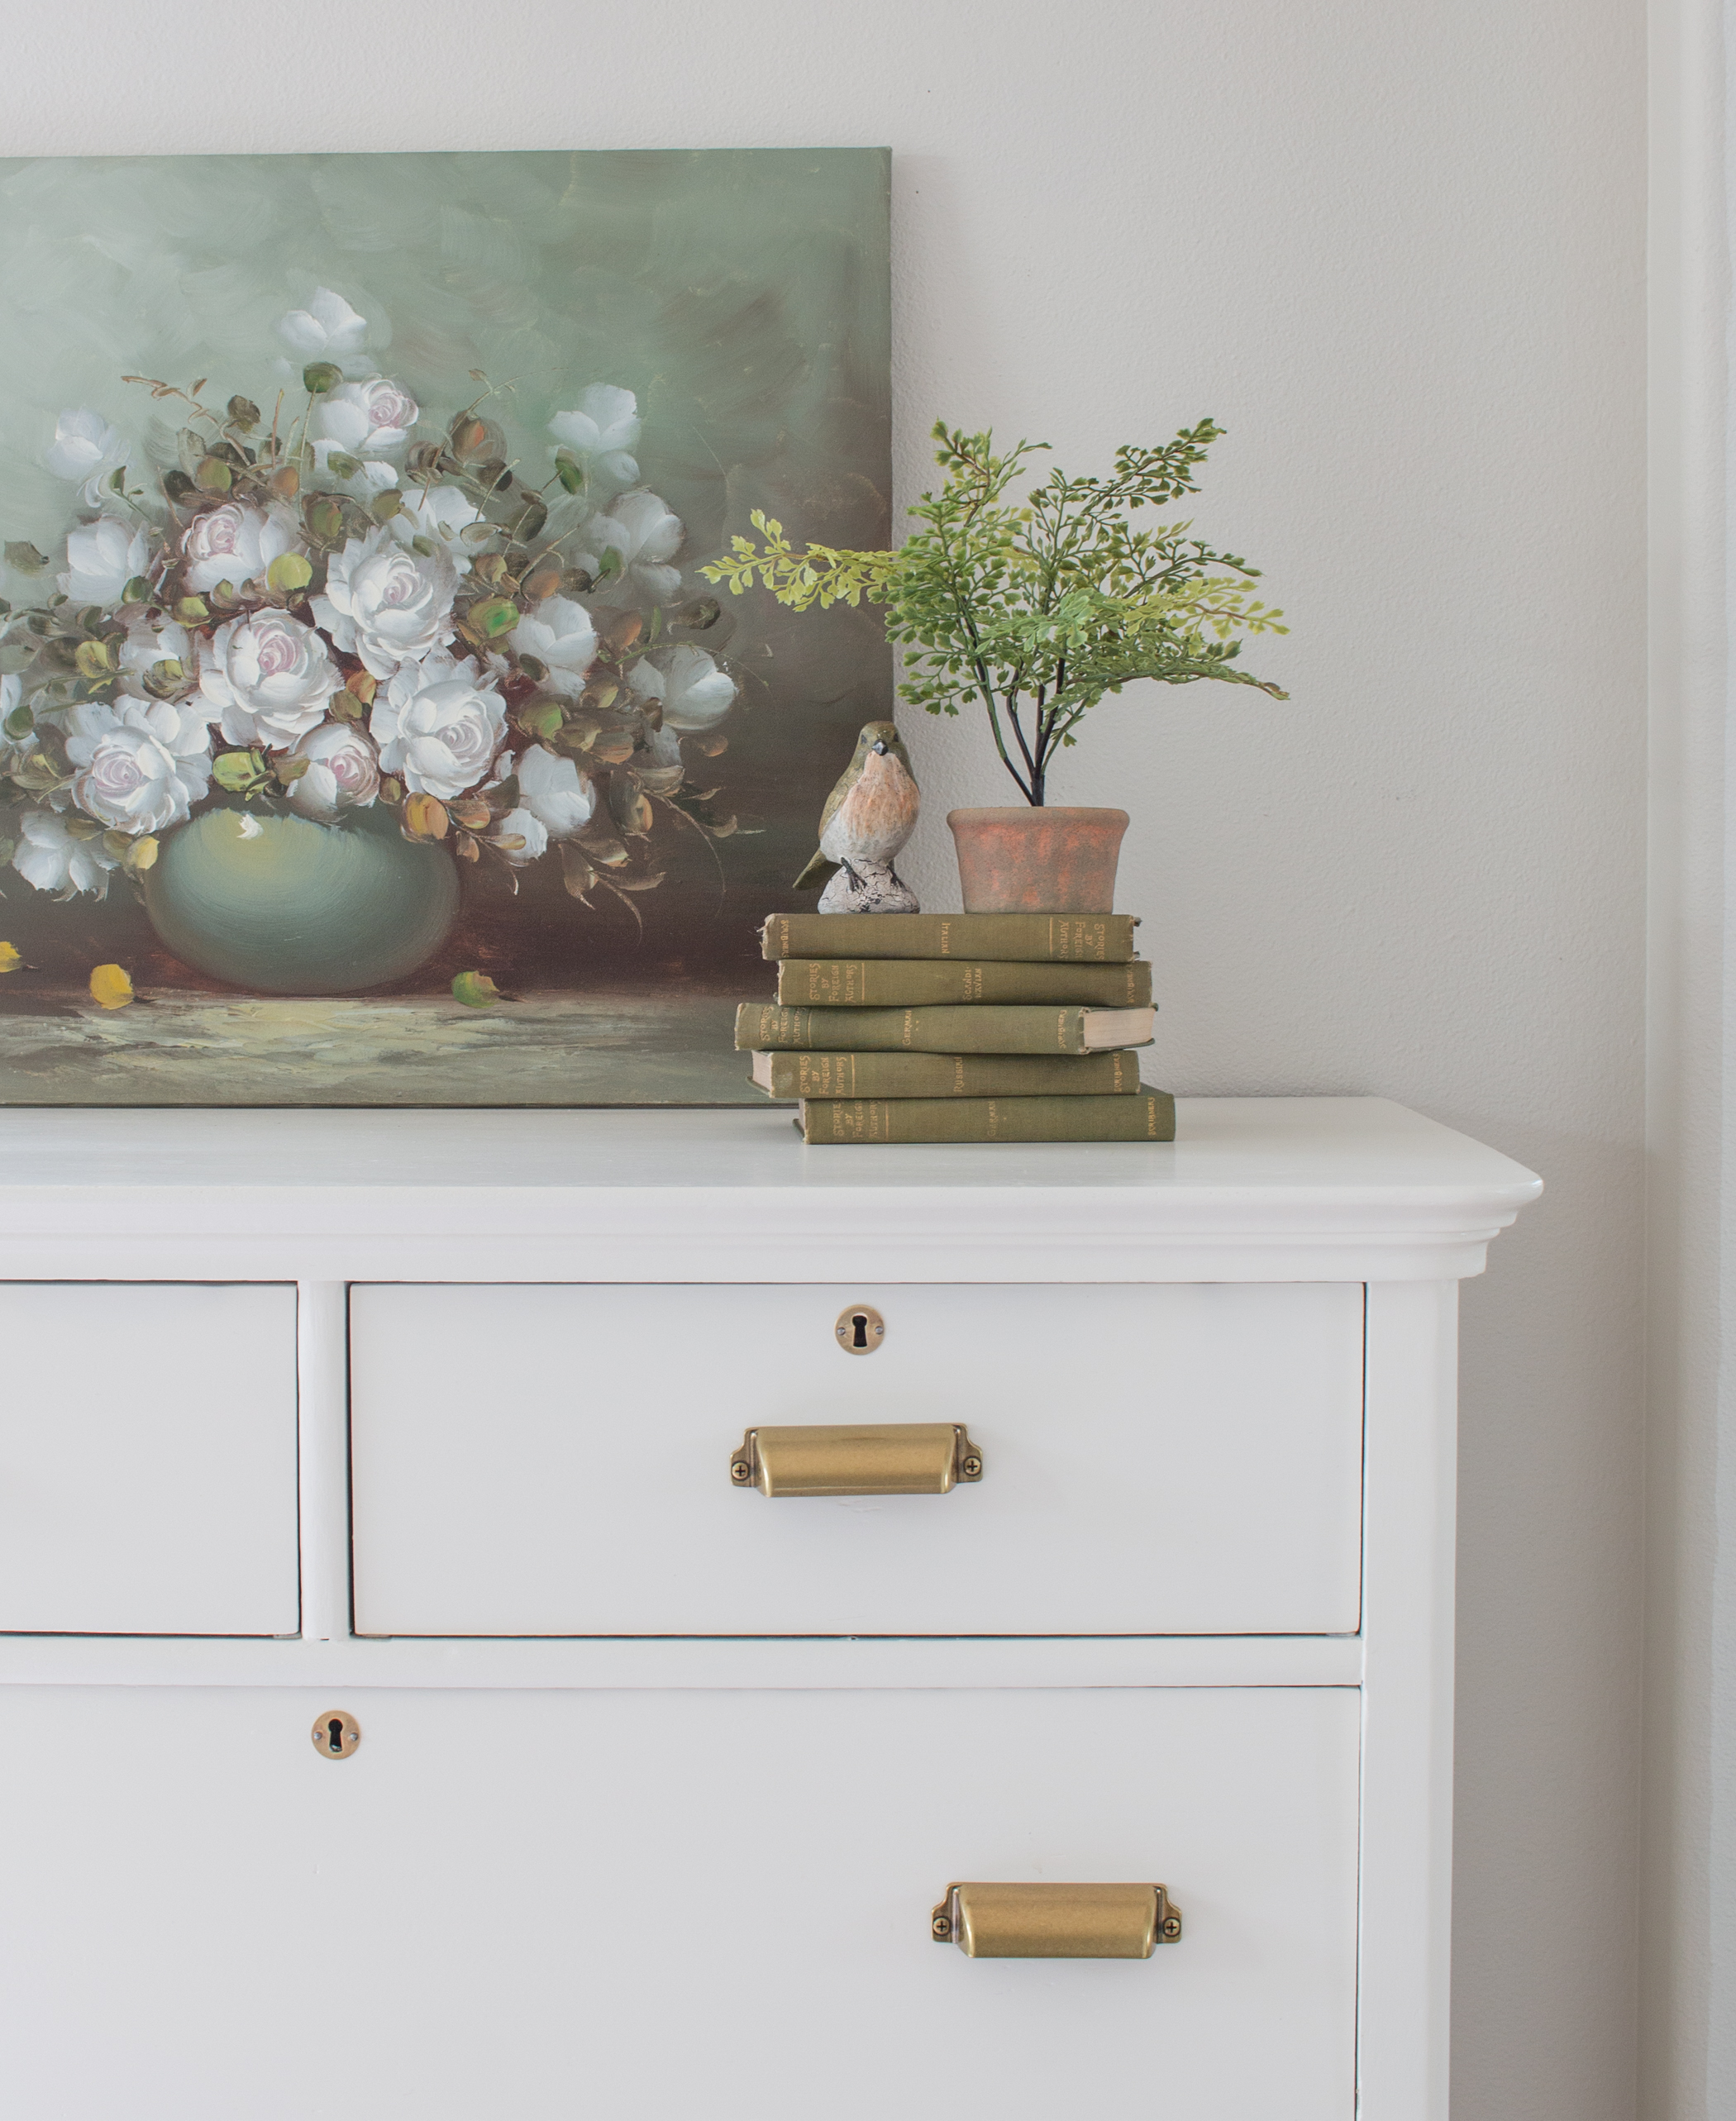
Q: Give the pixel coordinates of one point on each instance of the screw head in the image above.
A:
(942, 1927)
(1172, 1927)
(740, 1472)
(970, 1466)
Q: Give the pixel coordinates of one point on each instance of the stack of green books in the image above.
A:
(957, 1027)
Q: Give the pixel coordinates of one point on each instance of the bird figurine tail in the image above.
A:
(819, 871)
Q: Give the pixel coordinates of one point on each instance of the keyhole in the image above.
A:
(860, 1329)
(335, 1735)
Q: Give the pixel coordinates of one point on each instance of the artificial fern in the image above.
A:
(1037, 606)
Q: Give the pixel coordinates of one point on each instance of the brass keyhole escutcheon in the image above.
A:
(336, 1734)
(860, 1329)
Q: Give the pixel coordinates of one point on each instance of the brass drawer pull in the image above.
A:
(1055, 1922)
(886, 1458)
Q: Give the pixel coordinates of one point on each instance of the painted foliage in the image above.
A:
(369, 734)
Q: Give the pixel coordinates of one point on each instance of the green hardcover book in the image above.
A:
(854, 982)
(945, 1075)
(1150, 1117)
(965, 1027)
(1027, 938)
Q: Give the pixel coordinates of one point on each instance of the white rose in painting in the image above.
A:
(363, 419)
(634, 542)
(695, 693)
(601, 431)
(438, 724)
(327, 330)
(147, 646)
(385, 605)
(268, 677)
(235, 544)
(522, 825)
(558, 633)
(102, 559)
(551, 788)
(441, 514)
(53, 858)
(142, 764)
(86, 450)
(343, 772)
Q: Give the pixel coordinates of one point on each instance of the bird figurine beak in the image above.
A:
(881, 747)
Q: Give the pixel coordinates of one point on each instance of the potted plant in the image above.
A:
(1032, 609)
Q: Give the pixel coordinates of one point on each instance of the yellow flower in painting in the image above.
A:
(110, 987)
(10, 960)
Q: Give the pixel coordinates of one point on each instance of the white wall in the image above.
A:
(1397, 251)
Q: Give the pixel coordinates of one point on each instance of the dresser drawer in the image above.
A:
(148, 1459)
(555, 1460)
(664, 1904)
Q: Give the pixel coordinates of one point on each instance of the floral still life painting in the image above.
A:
(369, 732)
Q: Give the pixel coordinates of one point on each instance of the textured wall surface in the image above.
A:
(1397, 252)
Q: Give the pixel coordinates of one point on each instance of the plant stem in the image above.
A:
(1001, 746)
(1032, 765)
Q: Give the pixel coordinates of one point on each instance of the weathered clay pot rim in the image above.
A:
(1039, 810)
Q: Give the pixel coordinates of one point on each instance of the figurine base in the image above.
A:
(868, 886)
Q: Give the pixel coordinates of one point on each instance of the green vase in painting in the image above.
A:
(286, 906)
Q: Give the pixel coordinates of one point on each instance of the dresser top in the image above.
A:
(1265, 1143)
(1288, 1188)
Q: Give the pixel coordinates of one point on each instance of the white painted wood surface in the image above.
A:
(1251, 1190)
(147, 1460)
(1180, 1460)
(668, 1905)
(197, 1920)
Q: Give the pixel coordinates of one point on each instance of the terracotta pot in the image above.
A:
(1022, 859)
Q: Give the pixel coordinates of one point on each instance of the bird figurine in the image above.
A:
(868, 816)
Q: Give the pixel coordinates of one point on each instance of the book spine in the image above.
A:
(953, 1075)
(1150, 1117)
(1032, 938)
(764, 1027)
(888, 982)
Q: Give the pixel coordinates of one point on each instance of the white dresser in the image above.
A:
(435, 1428)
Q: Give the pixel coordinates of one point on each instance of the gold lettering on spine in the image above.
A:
(909, 1026)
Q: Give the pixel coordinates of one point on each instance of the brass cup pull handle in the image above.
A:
(1055, 1922)
(884, 1458)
